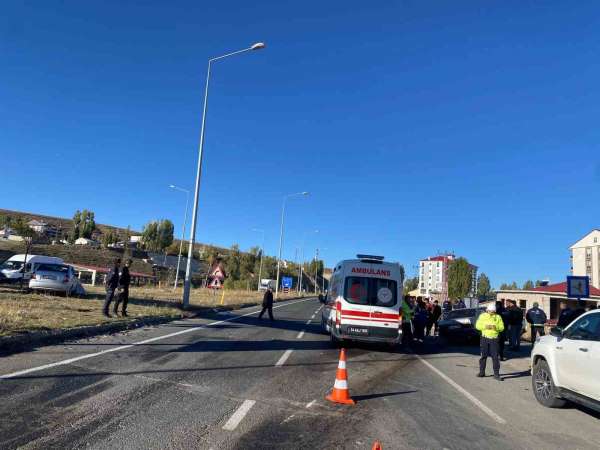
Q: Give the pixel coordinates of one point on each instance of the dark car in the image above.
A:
(459, 324)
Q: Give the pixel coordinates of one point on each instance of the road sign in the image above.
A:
(286, 282)
(578, 287)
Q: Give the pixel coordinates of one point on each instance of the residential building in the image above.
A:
(585, 257)
(38, 226)
(433, 277)
(87, 242)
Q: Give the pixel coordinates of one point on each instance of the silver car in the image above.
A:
(56, 278)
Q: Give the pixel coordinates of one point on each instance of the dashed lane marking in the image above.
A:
(284, 358)
(146, 341)
(464, 392)
(311, 404)
(300, 335)
(239, 415)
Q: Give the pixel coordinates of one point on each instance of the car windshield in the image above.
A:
(461, 313)
(12, 265)
(370, 291)
(53, 268)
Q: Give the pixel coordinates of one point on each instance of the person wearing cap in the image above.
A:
(490, 325)
(536, 317)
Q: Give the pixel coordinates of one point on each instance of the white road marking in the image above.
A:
(124, 347)
(309, 321)
(464, 392)
(284, 358)
(300, 335)
(239, 415)
(311, 404)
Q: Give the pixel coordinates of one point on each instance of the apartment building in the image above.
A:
(433, 277)
(585, 257)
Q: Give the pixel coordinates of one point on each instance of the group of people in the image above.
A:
(419, 319)
(117, 288)
(497, 324)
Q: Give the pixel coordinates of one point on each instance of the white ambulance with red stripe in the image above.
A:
(364, 301)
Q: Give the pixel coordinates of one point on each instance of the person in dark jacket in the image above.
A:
(420, 321)
(123, 296)
(460, 304)
(447, 306)
(536, 318)
(515, 325)
(111, 283)
(267, 304)
(434, 318)
(564, 319)
(501, 311)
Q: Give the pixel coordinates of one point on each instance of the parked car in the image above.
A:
(460, 324)
(566, 364)
(12, 269)
(56, 278)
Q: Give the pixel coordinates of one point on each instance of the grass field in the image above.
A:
(22, 312)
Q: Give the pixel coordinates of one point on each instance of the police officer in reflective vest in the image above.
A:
(490, 325)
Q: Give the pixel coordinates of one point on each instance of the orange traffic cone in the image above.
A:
(377, 446)
(340, 393)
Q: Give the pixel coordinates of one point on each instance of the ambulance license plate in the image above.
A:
(358, 331)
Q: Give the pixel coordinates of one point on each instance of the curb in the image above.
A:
(29, 340)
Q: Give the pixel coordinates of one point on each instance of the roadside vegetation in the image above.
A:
(21, 312)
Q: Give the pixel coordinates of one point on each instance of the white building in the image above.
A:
(38, 226)
(433, 277)
(585, 257)
(87, 242)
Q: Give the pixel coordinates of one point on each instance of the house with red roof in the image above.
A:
(549, 298)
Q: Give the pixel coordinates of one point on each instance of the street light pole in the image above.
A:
(262, 254)
(302, 260)
(188, 269)
(187, 201)
(281, 237)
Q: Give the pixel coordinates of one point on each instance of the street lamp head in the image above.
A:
(258, 46)
(306, 193)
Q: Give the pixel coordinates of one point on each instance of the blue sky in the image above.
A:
(418, 126)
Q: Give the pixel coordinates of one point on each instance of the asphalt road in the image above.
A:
(230, 381)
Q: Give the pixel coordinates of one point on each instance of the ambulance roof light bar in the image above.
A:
(370, 258)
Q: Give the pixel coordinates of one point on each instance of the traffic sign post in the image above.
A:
(286, 284)
(578, 287)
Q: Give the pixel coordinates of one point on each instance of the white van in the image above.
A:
(364, 301)
(11, 269)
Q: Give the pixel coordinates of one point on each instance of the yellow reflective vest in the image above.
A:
(407, 312)
(486, 319)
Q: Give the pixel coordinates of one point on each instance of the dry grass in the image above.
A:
(198, 297)
(21, 312)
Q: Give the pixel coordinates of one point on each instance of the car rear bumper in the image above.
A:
(48, 286)
(372, 334)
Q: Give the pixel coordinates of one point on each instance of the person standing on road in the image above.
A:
(501, 311)
(267, 304)
(536, 317)
(564, 319)
(434, 318)
(515, 326)
(123, 297)
(447, 306)
(490, 325)
(111, 283)
(420, 321)
(407, 316)
(460, 304)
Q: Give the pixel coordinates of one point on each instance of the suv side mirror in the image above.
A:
(557, 332)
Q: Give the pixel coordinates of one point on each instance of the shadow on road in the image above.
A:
(360, 398)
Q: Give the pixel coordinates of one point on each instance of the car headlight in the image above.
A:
(464, 321)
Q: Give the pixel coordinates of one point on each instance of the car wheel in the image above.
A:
(335, 342)
(543, 386)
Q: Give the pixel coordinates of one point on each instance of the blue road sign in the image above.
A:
(578, 287)
(286, 282)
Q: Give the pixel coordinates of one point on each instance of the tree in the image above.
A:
(484, 287)
(233, 263)
(157, 235)
(75, 234)
(21, 228)
(538, 283)
(108, 238)
(88, 224)
(509, 287)
(528, 285)
(460, 278)
(411, 284)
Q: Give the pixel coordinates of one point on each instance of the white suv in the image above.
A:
(566, 364)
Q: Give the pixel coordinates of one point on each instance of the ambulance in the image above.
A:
(364, 301)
